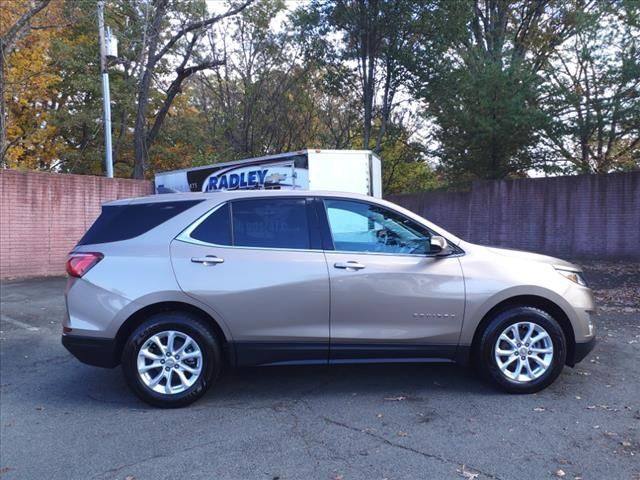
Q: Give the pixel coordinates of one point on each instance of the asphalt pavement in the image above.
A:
(60, 419)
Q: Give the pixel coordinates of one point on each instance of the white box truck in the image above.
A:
(356, 171)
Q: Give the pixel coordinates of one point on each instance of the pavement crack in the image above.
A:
(117, 469)
(407, 448)
(114, 470)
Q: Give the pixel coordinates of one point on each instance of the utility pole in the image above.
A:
(105, 91)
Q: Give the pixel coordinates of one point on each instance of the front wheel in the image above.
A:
(523, 350)
(171, 360)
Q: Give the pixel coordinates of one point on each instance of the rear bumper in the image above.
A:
(582, 350)
(99, 352)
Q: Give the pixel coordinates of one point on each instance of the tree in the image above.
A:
(338, 108)
(404, 165)
(484, 93)
(163, 43)
(76, 113)
(487, 119)
(14, 26)
(593, 97)
(266, 98)
(184, 141)
(31, 94)
(379, 37)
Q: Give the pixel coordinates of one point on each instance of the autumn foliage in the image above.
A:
(445, 92)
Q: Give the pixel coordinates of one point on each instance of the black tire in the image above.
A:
(499, 324)
(185, 323)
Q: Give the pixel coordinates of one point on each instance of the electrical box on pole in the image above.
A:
(111, 44)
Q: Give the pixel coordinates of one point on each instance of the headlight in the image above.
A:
(573, 276)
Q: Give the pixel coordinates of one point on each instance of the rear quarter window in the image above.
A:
(216, 228)
(122, 222)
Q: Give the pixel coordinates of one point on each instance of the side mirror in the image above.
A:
(438, 245)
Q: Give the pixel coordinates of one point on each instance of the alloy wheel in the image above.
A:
(523, 351)
(169, 362)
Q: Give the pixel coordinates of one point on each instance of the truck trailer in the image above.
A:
(356, 171)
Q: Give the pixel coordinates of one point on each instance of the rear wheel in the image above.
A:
(523, 350)
(171, 359)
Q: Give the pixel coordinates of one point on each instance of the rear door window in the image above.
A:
(271, 223)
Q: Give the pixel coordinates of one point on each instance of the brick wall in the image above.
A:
(586, 216)
(43, 215)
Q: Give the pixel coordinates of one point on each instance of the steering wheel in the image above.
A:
(383, 236)
(389, 238)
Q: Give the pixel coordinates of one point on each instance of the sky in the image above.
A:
(221, 5)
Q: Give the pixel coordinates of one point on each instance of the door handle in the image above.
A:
(208, 260)
(350, 265)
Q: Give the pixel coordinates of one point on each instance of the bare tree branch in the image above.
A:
(197, 26)
(9, 39)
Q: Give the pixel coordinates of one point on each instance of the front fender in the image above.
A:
(477, 307)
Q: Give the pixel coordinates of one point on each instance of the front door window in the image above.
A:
(363, 227)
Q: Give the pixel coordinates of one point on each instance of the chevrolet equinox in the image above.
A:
(175, 287)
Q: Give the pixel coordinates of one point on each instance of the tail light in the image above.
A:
(80, 263)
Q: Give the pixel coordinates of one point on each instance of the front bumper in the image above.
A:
(99, 352)
(581, 350)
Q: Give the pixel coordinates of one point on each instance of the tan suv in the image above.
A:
(177, 286)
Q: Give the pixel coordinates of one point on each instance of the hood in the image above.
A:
(534, 257)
